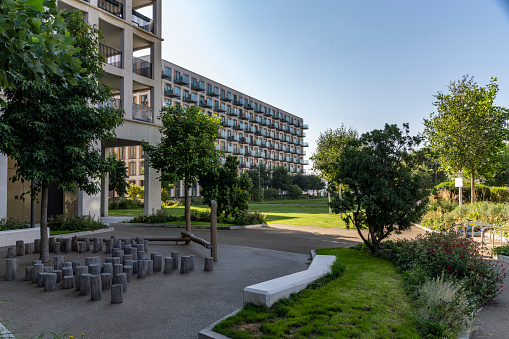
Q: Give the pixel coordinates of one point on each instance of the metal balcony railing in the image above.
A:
(142, 67)
(143, 113)
(112, 6)
(112, 55)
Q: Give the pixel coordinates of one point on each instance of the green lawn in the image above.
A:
(304, 212)
(367, 301)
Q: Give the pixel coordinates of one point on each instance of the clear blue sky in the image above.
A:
(362, 63)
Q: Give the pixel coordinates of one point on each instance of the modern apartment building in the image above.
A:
(252, 130)
(126, 31)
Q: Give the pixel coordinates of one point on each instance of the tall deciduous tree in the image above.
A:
(35, 44)
(386, 188)
(281, 179)
(468, 130)
(188, 145)
(328, 151)
(260, 177)
(227, 187)
(51, 131)
(117, 176)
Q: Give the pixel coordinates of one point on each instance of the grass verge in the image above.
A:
(367, 301)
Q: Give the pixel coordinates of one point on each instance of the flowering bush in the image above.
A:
(457, 257)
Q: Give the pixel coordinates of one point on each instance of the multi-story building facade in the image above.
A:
(125, 32)
(252, 130)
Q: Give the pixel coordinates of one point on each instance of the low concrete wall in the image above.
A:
(28, 235)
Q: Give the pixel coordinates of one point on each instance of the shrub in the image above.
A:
(12, 223)
(74, 223)
(442, 309)
(270, 194)
(197, 201)
(502, 250)
(500, 194)
(161, 216)
(482, 192)
(294, 192)
(124, 203)
(135, 192)
(249, 218)
(453, 255)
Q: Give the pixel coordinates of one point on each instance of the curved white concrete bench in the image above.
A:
(268, 292)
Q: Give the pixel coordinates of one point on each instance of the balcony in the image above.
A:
(233, 138)
(220, 109)
(268, 113)
(305, 144)
(143, 22)
(232, 113)
(143, 113)
(259, 109)
(165, 76)
(191, 99)
(142, 67)
(238, 102)
(243, 140)
(198, 86)
(213, 93)
(113, 56)
(112, 6)
(221, 135)
(239, 127)
(171, 93)
(227, 124)
(205, 103)
(181, 80)
(248, 106)
(304, 162)
(305, 126)
(112, 102)
(227, 97)
(243, 116)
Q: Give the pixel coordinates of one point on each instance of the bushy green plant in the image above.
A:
(455, 256)
(294, 192)
(196, 201)
(124, 203)
(160, 216)
(12, 223)
(135, 192)
(500, 194)
(75, 223)
(482, 192)
(502, 250)
(249, 218)
(270, 194)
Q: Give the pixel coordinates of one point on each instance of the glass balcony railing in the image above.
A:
(143, 113)
(143, 22)
(112, 6)
(113, 56)
(198, 86)
(181, 79)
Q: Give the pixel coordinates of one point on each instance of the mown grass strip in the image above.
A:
(366, 301)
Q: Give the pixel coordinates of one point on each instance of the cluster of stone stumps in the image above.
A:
(129, 258)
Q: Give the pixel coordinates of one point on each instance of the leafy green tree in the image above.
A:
(281, 179)
(468, 130)
(386, 189)
(328, 150)
(500, 176)
(117, 176)
(294, 192)
(227, 187)
(187, 148)
(35, 44)
(263, 173)
(301, 181)
(315, 183)
(51, 131)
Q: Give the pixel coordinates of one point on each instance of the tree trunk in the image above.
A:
(188, 206)
(330, 208)
(44, 256)
(472, 188)
(340, 197)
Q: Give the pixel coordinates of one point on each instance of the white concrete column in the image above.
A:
(152, 200)
(126, 83)
(90, 204)
(3, 185)
(157, 12)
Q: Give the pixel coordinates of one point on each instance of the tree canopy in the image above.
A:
(187, 148)
(52, 131)
(385, 188)
(117, 176)
(35, 44)
(468, 130)
(229, 189)
(281, 178)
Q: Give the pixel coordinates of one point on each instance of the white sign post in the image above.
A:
(458, 182)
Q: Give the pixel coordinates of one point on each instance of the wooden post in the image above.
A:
(158, 260)
(135, 266)
(41, 279)
(94, 269)
(168, 265)
(188, 213)
(117, 269)
(85, 284)
(185, 265)
(56, 247)
(175, 256)
(213, 229)
(35, 274)
(117, 294)
(66, 271)
(37, 245)
(208, 263)
(50, 282)
(29, 248)
(28, 273)
(121, 278)
(10, 252)
(58, 262)
(128, 270)
(97, 249)
(74, 265)
(109, 245)
(106, 281)
(80, 270)
(20, 247)
(193, 257)
(11, 268)
(82, 247)
(51, 243)
(95, 285)
(150, 269)
(87, 244)
(67, 245)
(68, 282)
(59, 275)
(145, 246)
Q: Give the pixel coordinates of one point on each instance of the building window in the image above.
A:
(142, 167)
(132, 168)
(167, 71)
(135, 99)
(132, 152)
(167, 102)
(144, 100)
(142, 183)
(121, 153)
